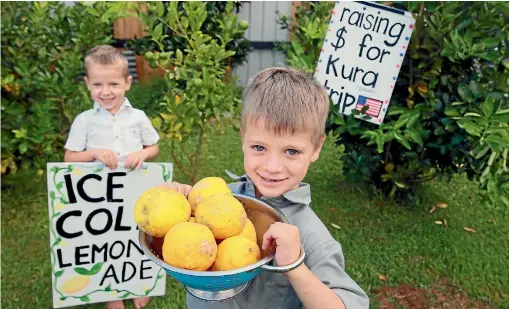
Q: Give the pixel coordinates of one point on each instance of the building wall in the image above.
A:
(263, 31)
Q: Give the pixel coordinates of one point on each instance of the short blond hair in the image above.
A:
(288, 101)
(106, 55)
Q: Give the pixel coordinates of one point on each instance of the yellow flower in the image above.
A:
(78, 172)
(40, 172)
(113, 293)
(63, 244)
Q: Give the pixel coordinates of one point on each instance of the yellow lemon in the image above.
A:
(249, 231)
(189, 245)
(205, 188)
(75, 284)
(157, 210)
(223, 214)
(59, 206)
(236, 252)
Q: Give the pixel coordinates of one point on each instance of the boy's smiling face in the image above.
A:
(277, 163)
(107, 85)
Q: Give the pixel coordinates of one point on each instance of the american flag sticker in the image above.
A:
(374, 105)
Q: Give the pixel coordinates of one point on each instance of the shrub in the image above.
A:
(211, 26)
(200, 100)
(43, 44)
(449, 110)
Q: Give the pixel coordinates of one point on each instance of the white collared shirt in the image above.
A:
(125, 132)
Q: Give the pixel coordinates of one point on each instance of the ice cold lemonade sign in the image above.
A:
(95, 253)
(362, 55)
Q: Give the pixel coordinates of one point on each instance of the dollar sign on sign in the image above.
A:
(341, 41)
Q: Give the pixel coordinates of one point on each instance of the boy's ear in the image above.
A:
(316, 154)
(86, 82)
(129, 81)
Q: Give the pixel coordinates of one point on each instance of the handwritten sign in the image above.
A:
(95, 254)
(362, 55)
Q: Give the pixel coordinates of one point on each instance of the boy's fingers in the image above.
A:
(140, 164)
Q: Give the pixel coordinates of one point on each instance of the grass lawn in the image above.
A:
(397, 254)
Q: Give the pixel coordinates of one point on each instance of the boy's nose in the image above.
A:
(273, 164)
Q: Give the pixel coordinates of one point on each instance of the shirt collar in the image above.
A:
(300, 195)
(126, 104)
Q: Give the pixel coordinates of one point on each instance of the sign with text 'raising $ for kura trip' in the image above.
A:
(95, 253)
(362, 55)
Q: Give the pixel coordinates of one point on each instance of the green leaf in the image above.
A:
(108, 288)
(158, 31)
(482, 152)
(85, 298)
(60, 184)
(470, 127)
(476, 89)
(82, 271)
(497, 144)
(501, 116)
(59, 240)
(95, 269)
(125, 295)
(56, 215)
(159, 9)
(415, 136)
(180, 56)
(59, 273)
(488, 106)
(492, 158)
(402, 140)
(63, 201)
(52, 194)
(465, 93)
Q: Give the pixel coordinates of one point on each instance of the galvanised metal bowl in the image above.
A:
(222, 285)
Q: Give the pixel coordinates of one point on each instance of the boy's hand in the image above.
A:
(179, 187)
(108, 157)
(135, 160)
(286, 238)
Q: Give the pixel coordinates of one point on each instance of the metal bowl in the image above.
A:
(221, 285)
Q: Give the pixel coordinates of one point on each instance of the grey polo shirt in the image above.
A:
(324, 257)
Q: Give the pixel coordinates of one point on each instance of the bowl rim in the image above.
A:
(142, 238)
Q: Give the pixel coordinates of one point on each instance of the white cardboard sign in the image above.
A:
(362, 55)
(95, 253)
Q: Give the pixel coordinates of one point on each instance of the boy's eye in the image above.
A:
(258, 148)
(292, 152)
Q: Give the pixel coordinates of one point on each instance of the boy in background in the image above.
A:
(283, 130)
(112, 131)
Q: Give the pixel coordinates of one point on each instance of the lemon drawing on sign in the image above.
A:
(77, 172)
(59, 206)
(63, 244)
(75, 284)
(145, 172)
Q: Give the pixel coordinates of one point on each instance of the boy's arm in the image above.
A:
(326, 265)
(324, 284)
(311, 291)
(78, 156)
(151, 151)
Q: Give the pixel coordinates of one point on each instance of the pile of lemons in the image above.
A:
(208, 230)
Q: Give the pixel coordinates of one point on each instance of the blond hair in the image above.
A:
(288, 101)
(106, 55)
